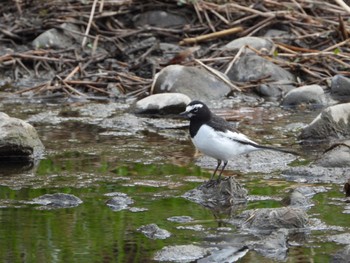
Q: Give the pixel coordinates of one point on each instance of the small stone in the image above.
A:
(152, 231)
(257, 43)
(119, 202)
(340, 86)
(165, 103)
(310, 94)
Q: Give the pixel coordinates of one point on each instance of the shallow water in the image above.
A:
(89, 154)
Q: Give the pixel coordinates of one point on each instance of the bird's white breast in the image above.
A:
(221, 145)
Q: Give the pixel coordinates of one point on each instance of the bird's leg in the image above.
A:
(216, 169)
(223, 168)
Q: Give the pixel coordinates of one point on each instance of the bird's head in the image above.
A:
(196, 110)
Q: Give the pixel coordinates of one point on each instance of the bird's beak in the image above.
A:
(184, 114)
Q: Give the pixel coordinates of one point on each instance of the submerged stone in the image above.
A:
(152, 231)
(119, 201)
(182, 253)
(58, 200)
(229, 254)
(218, 195)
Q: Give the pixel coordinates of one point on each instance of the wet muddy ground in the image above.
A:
(98, 150)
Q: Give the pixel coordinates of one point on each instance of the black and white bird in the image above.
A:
(215, 137)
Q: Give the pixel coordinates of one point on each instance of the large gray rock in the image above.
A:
(251, 67)
(195, 82)
(257, 43)
(340, 86)
(57, 38)
(18, 139)
(310, 94)
(338, 155)
(181, 253)
(164, 103)
(332, 122)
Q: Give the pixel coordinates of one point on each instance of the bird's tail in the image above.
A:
(275, 149)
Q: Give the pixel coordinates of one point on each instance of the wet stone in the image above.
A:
(269, 219)
(340, 86)
(164, 103)
(180, 219)
(182, 253)
(58, 200)
(273, 246)
(342, 255)
(230, 254)
(152, 231)
(18, 139)
(332, 122)
(340, 238)
(316, 174)
(338, 155)
(194, 82)
(218, 194)
(119, 201)
(310, 94)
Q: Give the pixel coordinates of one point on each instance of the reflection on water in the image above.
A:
(154, 167)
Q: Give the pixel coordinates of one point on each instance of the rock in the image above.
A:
(273, 218)
(230, 254)
(257, 43)
(342, 255)
(218, 195)
(160, 19)
(152, 231)
(164, 103)
(18, 139)
(343, 238)
(310, 94)
(58, 200)
(332, 122)
(315, 174)
(280, 35)
(252, 67)
(273, 246)
(57, 38)
(297, 199)
(119, 201)
(194, 82)
(340, 86)
(180, 219)
(338, 155)
(182, 253)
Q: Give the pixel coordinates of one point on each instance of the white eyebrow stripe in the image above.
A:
(191, 107)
